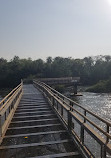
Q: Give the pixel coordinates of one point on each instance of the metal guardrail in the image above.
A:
(7, 108)
(83, 124)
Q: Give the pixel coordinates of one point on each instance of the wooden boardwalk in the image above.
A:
(36, 131)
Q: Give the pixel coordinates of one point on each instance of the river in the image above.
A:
(99, 103)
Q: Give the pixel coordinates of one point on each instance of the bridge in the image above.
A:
(61, 80)
(72, 81)
(36, 121)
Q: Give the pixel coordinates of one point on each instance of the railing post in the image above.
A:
(82, 129)
(12, 105)
(71, 104)
(57, 105)
(107, 139)
(103, 151)
(85, 116)
(22, 85)
(61, 110)
(82, 134)
(21, 81)
(69, 120)
(53, 101)
(5, 115)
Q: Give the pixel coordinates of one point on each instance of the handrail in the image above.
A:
(8, 96)
(8, 107)
(60, 99)
(72, 108)
(92, 113)
(86, 118)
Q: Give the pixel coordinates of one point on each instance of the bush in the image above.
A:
(59, 88)
(101, 87)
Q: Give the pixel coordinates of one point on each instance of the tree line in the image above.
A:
(90, 69)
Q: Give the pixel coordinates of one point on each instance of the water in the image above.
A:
(99, 103)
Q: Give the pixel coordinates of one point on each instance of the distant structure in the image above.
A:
(62, 80)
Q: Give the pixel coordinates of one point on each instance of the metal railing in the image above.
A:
(7, 108)
(84, 125)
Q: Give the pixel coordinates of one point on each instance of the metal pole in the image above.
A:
(69, 121)
(103, 151)
(82, 134)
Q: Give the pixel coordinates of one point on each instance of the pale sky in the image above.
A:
(66, 28)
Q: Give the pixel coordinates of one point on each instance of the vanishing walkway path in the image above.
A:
(35, 131)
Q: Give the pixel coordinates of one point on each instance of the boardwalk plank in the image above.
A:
(40, 133)
(36, 131)
(59, 155)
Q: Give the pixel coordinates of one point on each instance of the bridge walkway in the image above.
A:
(35, 131)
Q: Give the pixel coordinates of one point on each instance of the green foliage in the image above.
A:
(101, 87)
(5, 91)
(59, 88)
(90, 69)
(29, 79)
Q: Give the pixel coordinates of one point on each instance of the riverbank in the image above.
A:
(103, 86)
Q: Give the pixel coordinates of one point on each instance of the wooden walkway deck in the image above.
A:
(36, 131)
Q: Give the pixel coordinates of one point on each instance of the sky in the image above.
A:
(66, 28)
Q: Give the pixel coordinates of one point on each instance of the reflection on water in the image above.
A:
(96, 102)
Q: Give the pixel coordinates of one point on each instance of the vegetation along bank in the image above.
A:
(91, 70)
